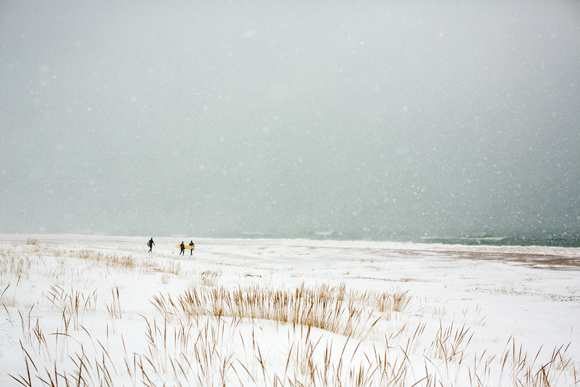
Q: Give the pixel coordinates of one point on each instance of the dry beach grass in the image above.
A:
(74, 323)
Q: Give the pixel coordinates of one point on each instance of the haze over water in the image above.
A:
(379, 120)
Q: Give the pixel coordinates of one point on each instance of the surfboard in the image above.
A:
(186, 247)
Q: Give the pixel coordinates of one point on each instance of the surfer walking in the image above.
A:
(192, 245)
(182, 252)
(150, 244)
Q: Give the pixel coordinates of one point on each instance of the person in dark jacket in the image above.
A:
(182, 252)
(150, 244)
(192, 245)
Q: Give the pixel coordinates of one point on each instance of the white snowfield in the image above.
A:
(102, 311)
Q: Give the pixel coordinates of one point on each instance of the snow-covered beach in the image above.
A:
(262, 312)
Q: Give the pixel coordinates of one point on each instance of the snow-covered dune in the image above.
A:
(262, 312)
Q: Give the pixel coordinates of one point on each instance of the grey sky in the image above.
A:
(204, 118)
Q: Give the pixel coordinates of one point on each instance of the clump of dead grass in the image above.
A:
(210, 277)
(316, 307)
(73, 304)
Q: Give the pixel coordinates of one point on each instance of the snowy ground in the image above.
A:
(93, 310)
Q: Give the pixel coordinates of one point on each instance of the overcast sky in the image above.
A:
(211, 117)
